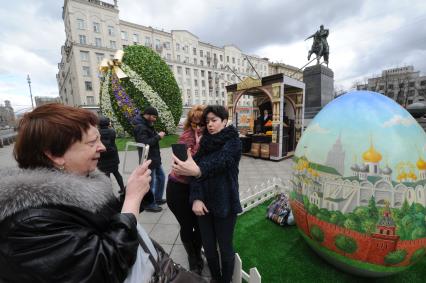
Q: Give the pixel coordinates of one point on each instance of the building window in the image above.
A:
(381, 87)
(195, 61)
(169, 56)
(112, 44)
(196, 92)
(186, 60)
(98, 42)
(178, 58)
(123, 35)
(80, 23)
(88, 85)
(166, 45)
(194, 51)
(96, 27)
(135, 38)
(233, 60)
(187, 71)
(99, 57)
(201, 53)
(195, 72)
(82, 39)
(390, 86)
(90, 100)
(227, 59)
(195, 82)
(203, 83)
(86, 71)
(179, 70)
(202, 73)
(177, 46)
(201, 62)
(220, 57)
(401, 85)
(148, 41)
(84, 55)
(411, 84)
(111, 31)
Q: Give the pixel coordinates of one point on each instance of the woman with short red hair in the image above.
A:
(59, 218)
(177, 193)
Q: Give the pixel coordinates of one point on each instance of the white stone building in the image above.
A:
(404, 85)
(95, 31)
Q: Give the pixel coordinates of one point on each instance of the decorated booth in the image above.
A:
(272, 126)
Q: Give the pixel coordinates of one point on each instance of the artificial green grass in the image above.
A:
(282, 255)
(167, 141)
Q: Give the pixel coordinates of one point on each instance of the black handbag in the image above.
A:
(166, 270)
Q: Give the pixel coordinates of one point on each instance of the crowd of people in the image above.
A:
(60, 220)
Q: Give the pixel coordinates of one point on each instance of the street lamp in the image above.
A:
(31, 95)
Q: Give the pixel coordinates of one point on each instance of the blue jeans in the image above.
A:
(157, 184)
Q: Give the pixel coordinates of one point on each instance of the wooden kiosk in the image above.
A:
(281, 95)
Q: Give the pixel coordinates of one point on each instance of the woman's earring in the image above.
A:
(61, 168)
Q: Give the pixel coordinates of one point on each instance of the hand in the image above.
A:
(137, 187)
(186, 168)
(198, 136)
(161, 134)
(199, 208)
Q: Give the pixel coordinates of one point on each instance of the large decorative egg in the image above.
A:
(359, 185)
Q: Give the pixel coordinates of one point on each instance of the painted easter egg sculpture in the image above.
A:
(359, 185)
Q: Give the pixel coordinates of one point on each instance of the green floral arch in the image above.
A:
(149, 82)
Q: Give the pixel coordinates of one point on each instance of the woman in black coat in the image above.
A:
(108, 163)
(59, 218)
(214, 189)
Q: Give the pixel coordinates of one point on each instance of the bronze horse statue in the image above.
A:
(320, 45)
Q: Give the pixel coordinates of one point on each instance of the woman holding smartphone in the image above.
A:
(214, 190)
(177, 193)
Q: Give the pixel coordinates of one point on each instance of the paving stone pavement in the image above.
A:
(163, 226)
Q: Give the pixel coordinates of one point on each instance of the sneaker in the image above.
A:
(153, 208)
(161, 201)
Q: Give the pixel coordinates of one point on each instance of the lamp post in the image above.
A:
(31, 95)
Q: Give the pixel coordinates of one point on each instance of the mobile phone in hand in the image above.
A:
(145, 151)
(180, 151)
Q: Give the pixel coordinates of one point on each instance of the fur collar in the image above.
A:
(210, 143)
(22, 189)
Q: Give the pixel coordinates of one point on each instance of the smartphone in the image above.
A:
(145, 151)
(180, 151)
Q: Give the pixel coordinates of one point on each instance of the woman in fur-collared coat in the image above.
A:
(214, 190)
(59, 219)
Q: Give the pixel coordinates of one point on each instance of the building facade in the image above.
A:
(404, 85)
(95, 31)
(7, 116)
(41, 100)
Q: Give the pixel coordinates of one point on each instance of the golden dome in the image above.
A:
(421, 164)
(372, 155)
(402, 176)
(412, 176)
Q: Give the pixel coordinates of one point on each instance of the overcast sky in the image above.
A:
(365, 36)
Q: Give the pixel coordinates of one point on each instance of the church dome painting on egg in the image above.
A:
(359, 185)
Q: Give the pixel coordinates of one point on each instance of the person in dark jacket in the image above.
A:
(59, 218)
(109, 160)
(145, 133)
(214, 189)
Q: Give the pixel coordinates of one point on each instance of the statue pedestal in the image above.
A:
(319, 82)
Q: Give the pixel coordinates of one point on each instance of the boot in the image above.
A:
(214, 267)
(192, 258)
(227, 270)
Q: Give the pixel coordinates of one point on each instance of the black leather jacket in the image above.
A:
(57, 227)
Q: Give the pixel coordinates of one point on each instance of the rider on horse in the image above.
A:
(320, 45)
